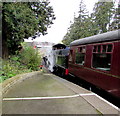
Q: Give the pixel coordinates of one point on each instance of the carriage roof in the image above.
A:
(108, 36)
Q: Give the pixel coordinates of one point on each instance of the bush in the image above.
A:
(26, 61)
(11, 68)
(30, 57)
(8, 70)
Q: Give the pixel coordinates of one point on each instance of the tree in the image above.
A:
(102, 15)
(21, 20)
(116, 19)
(81, 26)
(99, 21)
(44, 13)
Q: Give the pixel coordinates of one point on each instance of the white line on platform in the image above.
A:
(43, 98)
(108, 102)
(40, 98)
(59, 97)
(86, 94)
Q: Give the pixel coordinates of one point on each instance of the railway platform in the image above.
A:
(45, 93)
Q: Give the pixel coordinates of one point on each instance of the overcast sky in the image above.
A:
(64, 11)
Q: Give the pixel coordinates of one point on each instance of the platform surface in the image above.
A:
(50, 94)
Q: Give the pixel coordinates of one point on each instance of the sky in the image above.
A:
(64, 11)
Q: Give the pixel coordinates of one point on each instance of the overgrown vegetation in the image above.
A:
(22, 20)
(30, 57)
(27, 60)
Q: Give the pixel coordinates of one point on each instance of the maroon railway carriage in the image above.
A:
(96, 59)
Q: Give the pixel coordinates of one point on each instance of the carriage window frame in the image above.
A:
(97, 49)
(81, 51)
(71, 56)
(103, 52)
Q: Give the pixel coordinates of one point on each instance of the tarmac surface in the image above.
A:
(46, 93)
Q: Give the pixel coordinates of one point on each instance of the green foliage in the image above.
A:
(44, 14)
(88, 25)
(81, 27)
(102, 15)
(24, 19)
(115, 24)
(11, 68)
(30, 57)
(26, 61)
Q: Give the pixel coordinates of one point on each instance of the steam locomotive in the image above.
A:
(95, 59)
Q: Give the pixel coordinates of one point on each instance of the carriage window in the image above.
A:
(80, 49)
(102, 58)
(109, 49)
(102, 61)
(99, 48)
(104, 48)
(61, 60)
(83, 50)
(80, 55)
(95, 49)
(71, 56)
